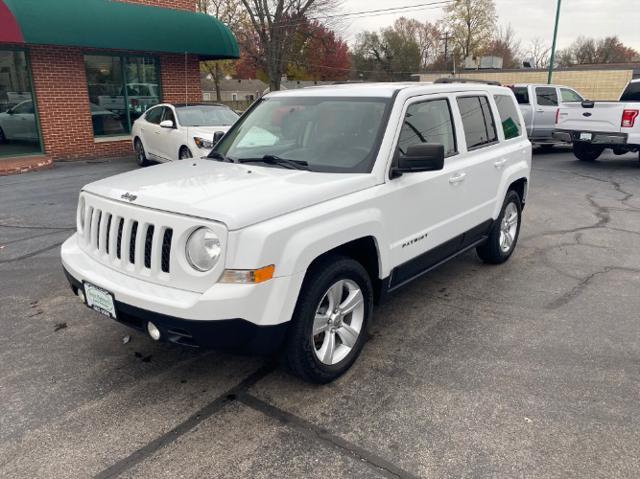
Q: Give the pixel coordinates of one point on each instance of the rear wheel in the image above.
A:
(329, 324)
(586, 151)
(141, 155)
(504, 233)
(185, 153)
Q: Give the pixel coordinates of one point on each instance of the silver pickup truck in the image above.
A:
(539, 104)
(594, 126)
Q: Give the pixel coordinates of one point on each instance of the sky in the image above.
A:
(529, 18)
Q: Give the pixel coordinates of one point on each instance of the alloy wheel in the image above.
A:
(338, 322)
(509, 227)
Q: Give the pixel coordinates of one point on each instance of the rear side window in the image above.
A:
(547, 96)
(428, 122)
(632, 92)
(154, 115)
(479, 126)
(522, 94)
(508, 116)
(569, 96)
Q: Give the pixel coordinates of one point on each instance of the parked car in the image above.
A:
(140, 96)
(594, 126)
(539, 104)
(316, 204)
(171, 132)
(19, 123)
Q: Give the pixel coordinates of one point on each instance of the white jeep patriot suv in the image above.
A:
(314, 206)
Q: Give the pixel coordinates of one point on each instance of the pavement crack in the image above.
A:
(37, 227)
(365, 456)
(33, 253)
(187, 425)
(584, 282)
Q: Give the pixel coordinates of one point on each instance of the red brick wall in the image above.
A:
(177, 4)
(178, 86)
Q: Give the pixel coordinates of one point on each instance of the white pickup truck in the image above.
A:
(539, 104)
(316, 204)
(594, 126)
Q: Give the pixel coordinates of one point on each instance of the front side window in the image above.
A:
(509, 117)
(428, 122)
(24, 108)
(522, 94)
(205, 115)
(154, 115)
(569, 96)
(546, 96)
(121, 89)
(327, 134)
(477, 119)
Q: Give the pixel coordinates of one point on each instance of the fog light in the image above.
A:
(153, 331)
(81, 295)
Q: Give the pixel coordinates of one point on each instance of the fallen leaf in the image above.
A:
(58, 326)
(126, 339)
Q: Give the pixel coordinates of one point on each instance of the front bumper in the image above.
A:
(251, 318)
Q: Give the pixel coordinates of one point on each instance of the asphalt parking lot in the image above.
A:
(530, 369)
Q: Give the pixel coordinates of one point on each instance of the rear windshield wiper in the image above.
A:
(276, 160)
(214, 155)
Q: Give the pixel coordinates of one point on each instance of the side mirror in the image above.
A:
(10, 111)
(217, 136)
(167, 124)
(423, 157)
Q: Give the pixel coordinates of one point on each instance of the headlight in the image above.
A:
(81, 211)
(203, 249)
(204, 144)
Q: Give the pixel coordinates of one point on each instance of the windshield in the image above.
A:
(203, 115)
(329, 134)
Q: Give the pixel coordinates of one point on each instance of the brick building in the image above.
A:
(75, 74)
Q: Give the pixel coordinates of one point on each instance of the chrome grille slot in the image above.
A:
(145, 243)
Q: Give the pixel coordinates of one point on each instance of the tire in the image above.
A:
(185, 153)
(3, 138)
(334, 280)
(586, 151)
(141, 155)
(498, 247)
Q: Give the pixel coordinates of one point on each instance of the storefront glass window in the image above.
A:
(19, 133)
(121, 89)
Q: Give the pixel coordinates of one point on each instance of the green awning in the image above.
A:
(104, 24)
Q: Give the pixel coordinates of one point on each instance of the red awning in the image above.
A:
(9, 29)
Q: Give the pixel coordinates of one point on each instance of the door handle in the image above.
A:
(500, 163)
(540, 111)
(457, 178)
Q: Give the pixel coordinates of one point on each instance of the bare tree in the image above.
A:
(505, 44)
(275, 23)
(233, 14)
(538, 53)
(471, 23)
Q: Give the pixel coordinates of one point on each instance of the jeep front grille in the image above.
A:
(131, 239)
(145, 243)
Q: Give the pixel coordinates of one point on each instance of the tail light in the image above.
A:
(557, 115)
(629, 118)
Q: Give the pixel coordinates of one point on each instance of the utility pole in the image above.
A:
(553, 45)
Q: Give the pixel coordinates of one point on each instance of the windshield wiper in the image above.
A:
(276, 160)
(214, 155)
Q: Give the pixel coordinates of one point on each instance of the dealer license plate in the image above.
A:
(100, 300)
(586, 136)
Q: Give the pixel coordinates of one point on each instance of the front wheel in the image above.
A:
(141, 155)
(586, 151)
(329, 324)
(504, 234)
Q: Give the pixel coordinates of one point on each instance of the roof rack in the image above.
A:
(467, 80)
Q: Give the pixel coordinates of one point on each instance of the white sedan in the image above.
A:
(177, 132)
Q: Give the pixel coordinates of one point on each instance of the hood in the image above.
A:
(236, 195)
(205, 132)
